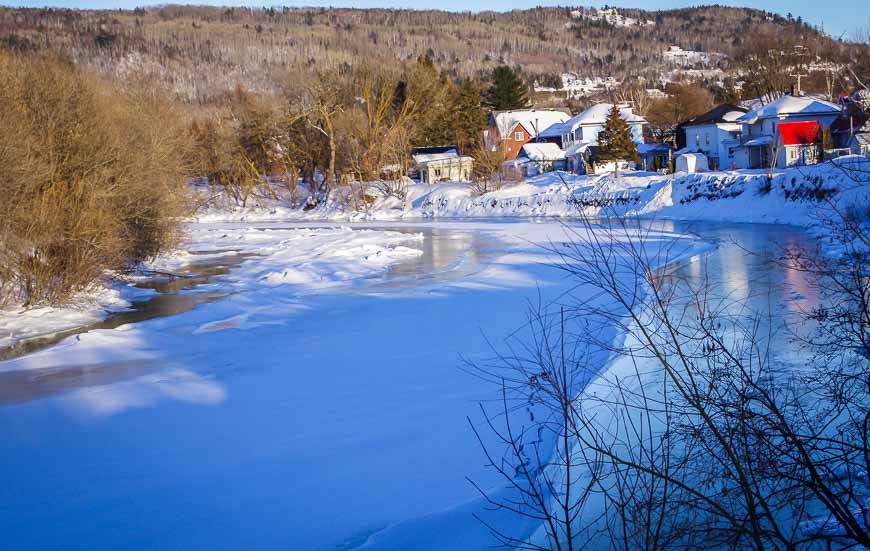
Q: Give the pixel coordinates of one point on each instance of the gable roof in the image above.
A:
(726, 112)
(533, 120)
(593, 116)
(422, 159)
(799, 133)
(542, 152)
(433, 149)
(646, 148)
(791, 105)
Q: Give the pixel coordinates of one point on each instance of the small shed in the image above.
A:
(691, 162)
(541, 157)
(442, 166)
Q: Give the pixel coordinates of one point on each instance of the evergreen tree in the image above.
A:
(471, 118)
(507, 91)
(614, 141)
(434, 98)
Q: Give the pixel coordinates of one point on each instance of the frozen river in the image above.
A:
(241, 418)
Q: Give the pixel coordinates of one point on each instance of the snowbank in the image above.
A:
(792, 196)
(18, 324)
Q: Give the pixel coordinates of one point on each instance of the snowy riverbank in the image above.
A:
(332, 259)
(309, 259)
(792, 196)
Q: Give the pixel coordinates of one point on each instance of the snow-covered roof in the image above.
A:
(762, 140)
(644, 148)
(862, 139)
(533, 120)
(791, 105)
(543, 152)
(597, 114)
(594, 116)
(426, 158)
(732, 116)
(576, 148)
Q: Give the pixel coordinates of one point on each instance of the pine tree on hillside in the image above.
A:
(471, 119)
(615, 142)
(434, 98)
(508, 91)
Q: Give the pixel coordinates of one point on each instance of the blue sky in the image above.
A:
(839, 18)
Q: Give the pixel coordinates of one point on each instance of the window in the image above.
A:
(697, 139)
(519, 136)
(730, 152)
(437, 172)
(707, 138)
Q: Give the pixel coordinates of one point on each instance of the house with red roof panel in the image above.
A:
(799, 143)
(762, 144)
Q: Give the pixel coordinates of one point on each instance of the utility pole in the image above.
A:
(801, 61)
(798, 77)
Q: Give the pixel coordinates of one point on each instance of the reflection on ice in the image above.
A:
(110, 387)
(174, 383)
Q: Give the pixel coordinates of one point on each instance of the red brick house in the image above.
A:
(510, 130)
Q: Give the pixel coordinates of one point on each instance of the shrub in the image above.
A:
(92, 179)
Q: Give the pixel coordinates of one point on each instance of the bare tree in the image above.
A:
(697, 434)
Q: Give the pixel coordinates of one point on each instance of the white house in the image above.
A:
(761, 141)
(442, 166)
(716, 134)
(585, 127)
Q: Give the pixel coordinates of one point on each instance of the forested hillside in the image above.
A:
(204, 52)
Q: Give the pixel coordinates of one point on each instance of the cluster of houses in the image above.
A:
(787, 132)
(793, 130)
(575, 86)
(612, 17)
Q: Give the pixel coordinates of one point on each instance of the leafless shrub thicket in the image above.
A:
(348, 135)
(91, 179)
(698, 435)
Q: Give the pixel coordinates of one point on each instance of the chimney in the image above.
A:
(794, 91)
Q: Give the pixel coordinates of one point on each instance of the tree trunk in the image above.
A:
(330, 171)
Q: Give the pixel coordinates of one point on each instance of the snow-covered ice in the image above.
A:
(322, 414)
(316, 402)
